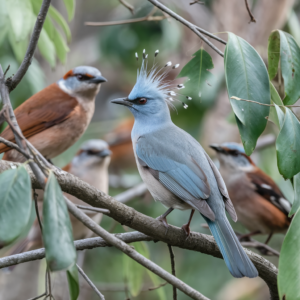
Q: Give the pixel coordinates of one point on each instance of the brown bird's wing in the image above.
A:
(45, 109)
(267, 188)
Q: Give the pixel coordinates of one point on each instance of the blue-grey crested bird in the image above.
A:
(177, 170)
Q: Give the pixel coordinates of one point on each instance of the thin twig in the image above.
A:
(127, 5)
(134, 192)
(197, 2)
(15, 80)
(156, 287)
(99, 210)
(90, 282)
(172, 257)
(14, 146)
(197, 30)
(263, 104)
(89, 223)
(252, 19)
(148, 18)
(35, 196)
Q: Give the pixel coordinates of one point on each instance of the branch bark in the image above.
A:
(197, 30)
(149, 226)
(15, 80)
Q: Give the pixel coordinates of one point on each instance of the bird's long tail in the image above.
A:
(234, 255)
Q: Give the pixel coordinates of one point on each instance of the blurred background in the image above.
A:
(209, 119)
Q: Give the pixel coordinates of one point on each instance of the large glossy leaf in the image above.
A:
(15, 203)
(58, 18)
(273, 53)
(289, 262)
(296, 203)
(73, 281)
(60, 46)
(247, 78)
(70, 6)
(21, 17)
(134, 272)
(290, 67)
(57, 229)
(47, 48)
(200, 80)
(288, 145)
(273, 117)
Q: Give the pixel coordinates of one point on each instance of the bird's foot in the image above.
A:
(163, 219)
(186, 229)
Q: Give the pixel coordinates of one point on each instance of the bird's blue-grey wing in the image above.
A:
(222, 187)
(185, 179)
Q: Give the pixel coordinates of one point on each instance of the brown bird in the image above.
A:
(54, 118)
(120, 144)
(260, 205)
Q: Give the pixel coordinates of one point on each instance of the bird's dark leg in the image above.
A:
(269, 237)
(248, 235)
(186, 227)
(163, 218)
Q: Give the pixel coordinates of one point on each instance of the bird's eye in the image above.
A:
(142, 101)
(91, 152)
(82, 77)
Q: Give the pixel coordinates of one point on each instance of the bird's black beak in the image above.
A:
(104, 153)
(216, 147)
(122, 101)
(98, 79)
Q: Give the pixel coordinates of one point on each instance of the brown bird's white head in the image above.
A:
(91, 163)
(83, 82)
(55, 118)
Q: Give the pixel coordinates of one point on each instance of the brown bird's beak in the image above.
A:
(104, 153)
(98, 79)
(216, 147)
(122, 101)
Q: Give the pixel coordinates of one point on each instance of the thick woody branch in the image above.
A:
(197, 30)
(14, 81)
(129, 251)
(151, 227)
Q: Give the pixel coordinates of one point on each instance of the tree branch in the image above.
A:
(197, 30)
(148, 18)
(252, 19)
(15, 80)
(90, 282)
(172, 257)
(129, 251)
(149, 226)
(127, 5)
(136, 191)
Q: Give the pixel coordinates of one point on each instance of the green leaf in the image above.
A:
(70, 6)
(280, 115)
(15, 203)
(273, 116)
(57, 229)
(290, 67)
(21, 17)
(247, 78)
(19, 47)
(288, 145)
(289, 263)
(58, 18)
(293, 25)
(47, 48)
(273, 53)
(197, 71)
(60, 46)
(73, 281)
(134, 272)
(296, 203)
